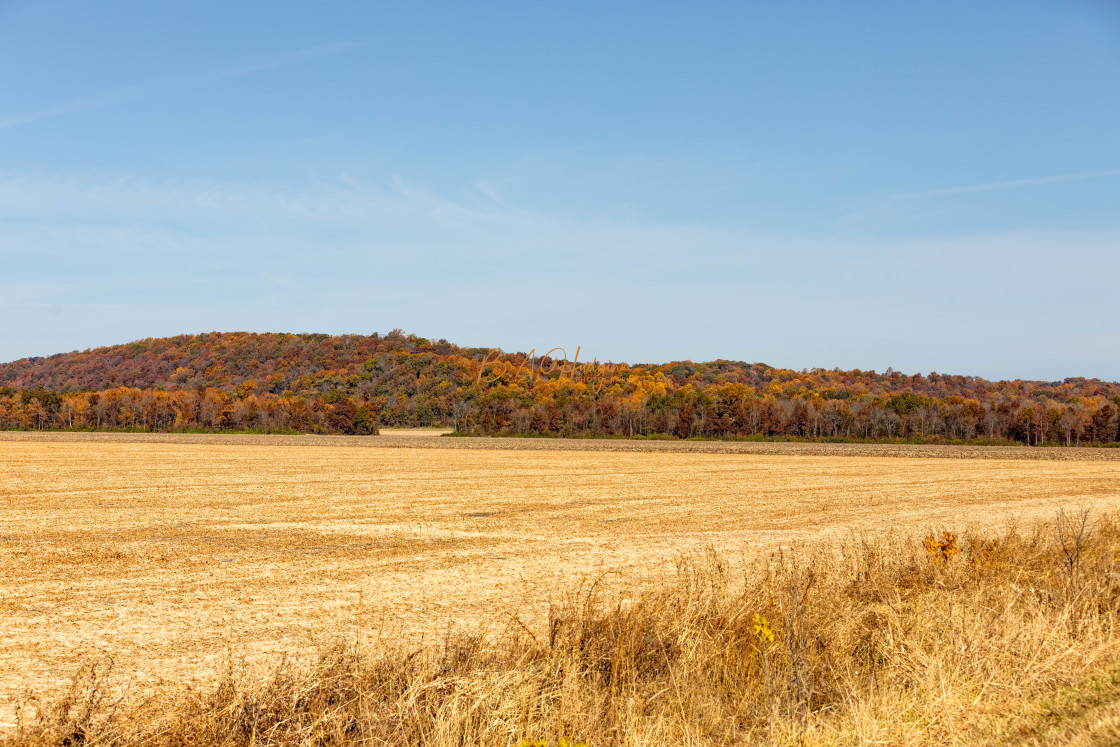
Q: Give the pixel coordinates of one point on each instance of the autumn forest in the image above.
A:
(354, 384)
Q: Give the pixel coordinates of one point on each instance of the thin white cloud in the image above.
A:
(59, 197)
(108, 222)
(144, 90)
(101, 258)
(1010, 184)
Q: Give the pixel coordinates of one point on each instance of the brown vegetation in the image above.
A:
(422, 438)
(352, 384)
(1011, 638)
(171, 555)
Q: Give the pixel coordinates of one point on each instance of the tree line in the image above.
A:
(358, 383)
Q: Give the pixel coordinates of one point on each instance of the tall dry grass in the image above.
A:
(945, 639)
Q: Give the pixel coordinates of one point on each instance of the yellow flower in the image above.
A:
(944, 549)
(761, 629)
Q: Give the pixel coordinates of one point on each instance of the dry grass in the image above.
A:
(430, 438)
(421, 432)
(174, 557)
(876, 641)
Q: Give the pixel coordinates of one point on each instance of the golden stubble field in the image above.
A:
(171, 556)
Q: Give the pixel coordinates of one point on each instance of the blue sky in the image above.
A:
(928, 186)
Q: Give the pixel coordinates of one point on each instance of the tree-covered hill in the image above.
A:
(354, 383)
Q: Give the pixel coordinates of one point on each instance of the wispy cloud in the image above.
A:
(1010, 184)
(101, 258)
(107, 222)
(189, 80)
(137, 200)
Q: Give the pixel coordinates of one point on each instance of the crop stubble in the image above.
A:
(169, 554)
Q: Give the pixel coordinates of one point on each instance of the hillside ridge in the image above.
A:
(354, 383)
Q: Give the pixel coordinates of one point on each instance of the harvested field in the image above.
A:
(431, 438)
(169, 553)
(414, 432)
